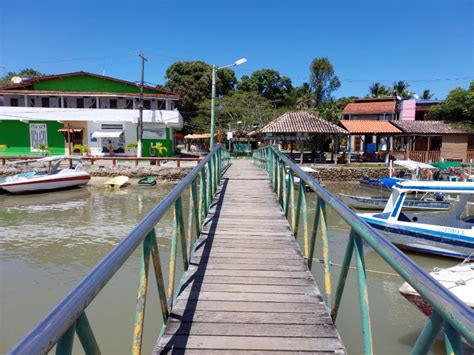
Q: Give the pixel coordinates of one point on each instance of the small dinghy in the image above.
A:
(147, 181)
(458, 279)
(116, 182)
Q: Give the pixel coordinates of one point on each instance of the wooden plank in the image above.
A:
(252, 297)
(244, 306)
(251, 343)
(274, 330)
(280, 289)
(251, 317)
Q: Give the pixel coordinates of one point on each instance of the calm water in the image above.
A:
(50, 241)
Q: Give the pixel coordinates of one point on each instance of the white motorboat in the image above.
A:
(458, 279)
(54, 178)
(451, 236)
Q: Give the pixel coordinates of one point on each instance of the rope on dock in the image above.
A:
(353, 268)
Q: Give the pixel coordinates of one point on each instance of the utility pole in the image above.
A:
(140, 118)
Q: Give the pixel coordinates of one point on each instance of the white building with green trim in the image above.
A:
(88, 109)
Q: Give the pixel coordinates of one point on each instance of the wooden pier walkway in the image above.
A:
(248, 288)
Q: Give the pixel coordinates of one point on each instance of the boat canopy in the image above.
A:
(413, 165)
(447, 164)
(107, 134)
(464, 187)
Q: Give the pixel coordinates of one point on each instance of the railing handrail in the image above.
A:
(450, 307)
(50, 329)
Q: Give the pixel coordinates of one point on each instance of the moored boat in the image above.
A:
(54, 178)
(116, 182)
(450, 236)
(147, 181)
(458, 279)
(379, 203)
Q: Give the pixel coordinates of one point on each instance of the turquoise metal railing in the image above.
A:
(68, 317)
(449, 312)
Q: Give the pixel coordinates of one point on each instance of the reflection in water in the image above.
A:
(49, 241)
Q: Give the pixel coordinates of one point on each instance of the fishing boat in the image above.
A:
(385, 184)
(379, 203)
(54, 178)
(458, 279)
(297, 179)
(147, 181)
(450, 236)
(116, 182)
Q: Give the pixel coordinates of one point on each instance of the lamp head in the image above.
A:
(240, 61)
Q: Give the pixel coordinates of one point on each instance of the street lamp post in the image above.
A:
(215, 68)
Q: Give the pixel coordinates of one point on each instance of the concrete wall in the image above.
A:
(408, 111)
(454, 147)
(15, 135)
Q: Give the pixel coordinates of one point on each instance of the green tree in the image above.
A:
(302, 99)
(269, 84)
(249, 108)
(427, 95)
(323, 81)
(458, 107)
(400, 88)
(378, 90)
(25, 73)
(192, 80)
(331, 110)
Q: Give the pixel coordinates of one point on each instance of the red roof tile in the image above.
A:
(428, 127)
(370, 108)
(301, 122)
(370, 127)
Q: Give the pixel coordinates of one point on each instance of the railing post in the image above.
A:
(172, 266)
(314, 234)
(346, 263)
(141, 298)
(283, 185)
(196, 207)
(86, 336)
(363, 296)
(65, 343)
(182, 233)
(428, 334)
(452, 340)
(326, 256)
(160, 282)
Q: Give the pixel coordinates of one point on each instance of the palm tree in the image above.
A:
(159, 148)
(378, 90)
(400, 88)
(427, 95)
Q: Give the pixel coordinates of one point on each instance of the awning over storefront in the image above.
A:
(358, 127)
(107, 134)
(70, 130)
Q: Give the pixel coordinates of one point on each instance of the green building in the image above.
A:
(59, 111)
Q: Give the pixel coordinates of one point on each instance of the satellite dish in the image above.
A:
(16, 80)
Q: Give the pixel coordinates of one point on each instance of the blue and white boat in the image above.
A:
(451, 236)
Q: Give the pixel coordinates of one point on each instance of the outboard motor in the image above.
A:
(439, 196)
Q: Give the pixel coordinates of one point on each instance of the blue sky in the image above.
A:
(428, 43)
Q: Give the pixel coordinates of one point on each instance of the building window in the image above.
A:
(146, 104)
(32, 102)
(113, 103)
(80, 103)
(161, 105)
(14, 102)
(45, 102)
(93, 103)
(129, 104)
(171, 105)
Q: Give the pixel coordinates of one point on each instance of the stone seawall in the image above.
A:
(349, 173)
(161, 173)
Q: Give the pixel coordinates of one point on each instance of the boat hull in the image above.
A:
(371, 203)
(46, 183)
(457, 243)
